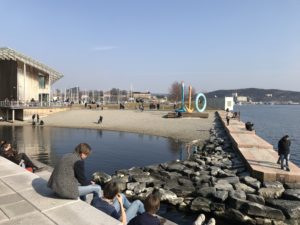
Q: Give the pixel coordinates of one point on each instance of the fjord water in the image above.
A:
(271, 122)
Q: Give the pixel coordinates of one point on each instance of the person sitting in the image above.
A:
(68, 177)
(100, 119)
(18, 158)
(114, 203)
(249, 126)
(152, 204)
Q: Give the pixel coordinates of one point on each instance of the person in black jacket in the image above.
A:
(20, 159)
(68, 177)
(284, 151)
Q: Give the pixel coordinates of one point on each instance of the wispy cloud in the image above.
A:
(103, 48)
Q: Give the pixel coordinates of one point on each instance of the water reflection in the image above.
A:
(111, 150)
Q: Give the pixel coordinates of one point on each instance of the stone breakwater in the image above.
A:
(215, 180)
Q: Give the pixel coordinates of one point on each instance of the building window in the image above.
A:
(42, 82)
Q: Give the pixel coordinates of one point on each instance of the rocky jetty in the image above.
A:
(215, 180)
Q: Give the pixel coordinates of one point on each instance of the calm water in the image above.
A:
(111, 150)
(271, 122)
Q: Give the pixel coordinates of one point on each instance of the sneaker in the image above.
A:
(212, 221)
(288, 169)
(200, 220)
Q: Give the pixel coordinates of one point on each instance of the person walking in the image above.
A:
(68, 177)
(284, 152)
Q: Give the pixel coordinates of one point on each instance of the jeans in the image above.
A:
(284, 158)
(84, 190)
(131, 209)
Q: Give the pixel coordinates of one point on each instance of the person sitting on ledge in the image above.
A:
(20, 159)
(68, 177)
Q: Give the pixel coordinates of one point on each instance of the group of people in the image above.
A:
(38, 122)
(21, 159)
(68, 180)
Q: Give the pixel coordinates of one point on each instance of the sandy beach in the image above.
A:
(147, 122)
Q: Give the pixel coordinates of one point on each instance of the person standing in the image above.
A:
(68, 177)
(33, 117)
(228, 115)
(284, 152)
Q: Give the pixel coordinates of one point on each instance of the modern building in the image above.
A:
(25, 86)
(24, 79)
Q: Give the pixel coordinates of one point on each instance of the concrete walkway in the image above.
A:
(25, 199)
(259, 155)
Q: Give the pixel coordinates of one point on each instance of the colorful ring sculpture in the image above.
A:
(204, 102)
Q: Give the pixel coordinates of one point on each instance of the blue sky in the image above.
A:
(209, 44)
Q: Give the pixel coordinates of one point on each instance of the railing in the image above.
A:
(21, 104)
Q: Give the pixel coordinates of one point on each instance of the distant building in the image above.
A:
(220, 103)
(143, 95)
(24, 79)
(269, 95)
(242, 99)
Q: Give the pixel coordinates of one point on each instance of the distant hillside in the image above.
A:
(259, 95)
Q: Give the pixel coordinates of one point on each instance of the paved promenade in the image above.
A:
(258, 153)
(26, 200)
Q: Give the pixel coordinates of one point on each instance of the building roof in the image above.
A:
(10, 54)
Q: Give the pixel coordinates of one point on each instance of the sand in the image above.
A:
(147, 122)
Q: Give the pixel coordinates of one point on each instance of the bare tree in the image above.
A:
(175, 91)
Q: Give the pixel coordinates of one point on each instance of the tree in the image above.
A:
(175, 91)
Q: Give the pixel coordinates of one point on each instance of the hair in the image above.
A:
(152, 203)
(6, 145)
(111, 189)
(83, 148)
(2, 142)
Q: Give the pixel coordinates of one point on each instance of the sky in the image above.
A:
(148, 45)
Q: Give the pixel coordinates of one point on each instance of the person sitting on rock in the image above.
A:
(152, 204)
(114, 203)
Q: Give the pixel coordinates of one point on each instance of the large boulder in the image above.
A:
(270, 192)
(220, 196)
(255, 209)
(252, 182)
(200, 204)
(244, 187)
(176, 167)
(256, 198)
(293, 194)
(206, 192)
(291, 209)
(236, 215)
